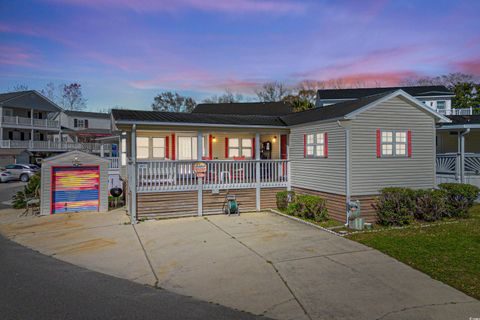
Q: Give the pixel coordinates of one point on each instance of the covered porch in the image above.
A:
(458, 151)
(158, 165)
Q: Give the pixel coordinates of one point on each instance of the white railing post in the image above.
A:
(199, 180)
(257, 172)
(133, 146)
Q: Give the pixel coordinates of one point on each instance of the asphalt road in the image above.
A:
(7, 190)
(35, 286)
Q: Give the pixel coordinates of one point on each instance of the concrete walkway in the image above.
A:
(259, 262)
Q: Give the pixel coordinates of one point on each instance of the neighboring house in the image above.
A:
(26, 122)
(438, 98)
(344, 152)
(82, 126)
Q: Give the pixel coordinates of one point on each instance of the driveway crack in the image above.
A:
(267, 261)
(146, 257)
(422, 306)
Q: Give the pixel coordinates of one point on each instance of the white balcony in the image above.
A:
(457, 112)
(29, 122)
(54, 146)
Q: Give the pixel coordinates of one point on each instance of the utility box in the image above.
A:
(354, 220)
(72, 182)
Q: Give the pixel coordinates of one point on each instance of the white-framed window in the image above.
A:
(394, 143)
(315, 145)
(187, 148)
(123, 146)
(143, 147)
(158, 148)
(441, 104)
(240, 147)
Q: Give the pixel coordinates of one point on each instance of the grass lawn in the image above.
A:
(447, 252)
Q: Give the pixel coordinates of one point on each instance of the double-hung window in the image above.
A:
(158, 148)
(316, 145)
(143, 144)
(240, 147)
(394, 143)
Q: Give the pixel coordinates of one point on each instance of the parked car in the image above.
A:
(6, 176)
(22, 172)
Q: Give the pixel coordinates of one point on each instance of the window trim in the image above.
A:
(240, 147)
(316, 144)
(137, 145)
(153, 147)
(394, 144)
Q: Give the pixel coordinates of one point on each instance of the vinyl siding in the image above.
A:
(319, 174)
(370, 174)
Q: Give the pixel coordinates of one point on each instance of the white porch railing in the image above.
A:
(23, 121)
(450, 164)
(157, 176)
(114, 163)
(457, 112)
(53, 145)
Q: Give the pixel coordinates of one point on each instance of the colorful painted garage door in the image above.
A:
(75, 189)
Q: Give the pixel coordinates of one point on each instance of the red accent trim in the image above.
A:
(174, 153)
(409, 143)
(253, 148)
(379, 144)
(210, 147)
(304, 145)
(325, 150)
(283, 146)
(167, 147)
(226, 148)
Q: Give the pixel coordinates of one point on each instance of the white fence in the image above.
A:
(448, 168)
(458, 112)
(155, 176)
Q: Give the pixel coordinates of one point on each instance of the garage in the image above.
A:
(75, 188)
(73, 182)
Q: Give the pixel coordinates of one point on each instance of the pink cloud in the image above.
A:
(469, 66)
(385, 79)
(230, 6)
(15, 56)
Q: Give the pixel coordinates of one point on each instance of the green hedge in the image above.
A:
(303, 206)
(401, 206)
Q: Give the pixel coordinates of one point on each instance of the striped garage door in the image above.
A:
(75, 189)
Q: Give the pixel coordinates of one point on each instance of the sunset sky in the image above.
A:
(123, 52)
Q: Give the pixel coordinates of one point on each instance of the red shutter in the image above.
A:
(167, 148)
(173, 146)
(409, 143)
(253, 148)
(304, 145)
(210, 147)
(325, 150)
(283, 146)
(226, 148)
(379, 143)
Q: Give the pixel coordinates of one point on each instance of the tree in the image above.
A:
(298, 102)
(227, 97)
(49, 91)
(272, 91)
(173, 102)
(20, 87)
(448, 80)
(467, 94)
(72, 97)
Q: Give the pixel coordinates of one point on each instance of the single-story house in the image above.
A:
(342, 152)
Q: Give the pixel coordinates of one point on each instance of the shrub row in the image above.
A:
(303, 206)
(401, 206)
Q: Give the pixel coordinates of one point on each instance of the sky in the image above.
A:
(124, 52)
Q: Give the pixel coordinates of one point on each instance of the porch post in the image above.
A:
(289, 175)
(133, 175)
(200, 180)
(102, 151)
(257, 171)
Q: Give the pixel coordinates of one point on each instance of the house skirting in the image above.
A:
(155, 205)
(336, 204)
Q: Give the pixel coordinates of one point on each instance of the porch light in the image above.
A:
(76, 162)
(274, 139)
(214, 139)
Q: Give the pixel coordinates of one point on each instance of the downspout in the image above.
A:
(347, 165)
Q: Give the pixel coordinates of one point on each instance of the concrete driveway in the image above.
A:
(259, 262)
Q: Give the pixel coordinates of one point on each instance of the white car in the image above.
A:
(6, 176)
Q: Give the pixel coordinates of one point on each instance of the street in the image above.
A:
(35, 286)
(7, 190)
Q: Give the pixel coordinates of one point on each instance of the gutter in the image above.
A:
(347, 166)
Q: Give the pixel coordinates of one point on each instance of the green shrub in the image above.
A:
(283, 197)
(395, 206)
(312, 207)
(431, 205)
(31, 190)
(459, 197)
(293, 209)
